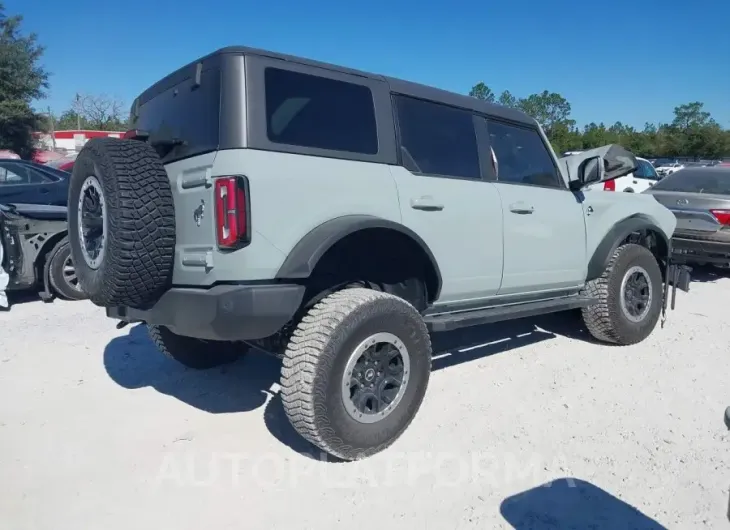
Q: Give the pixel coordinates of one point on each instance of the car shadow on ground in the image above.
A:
(708, 274)
(22, 297)
(572, 503)
(132, 361)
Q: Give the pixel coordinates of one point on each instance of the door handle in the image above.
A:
(43, 190)
(521, 208)
(427, 204)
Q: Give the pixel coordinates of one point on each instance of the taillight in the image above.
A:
(609, 185)
(231, 212)
(722, 216)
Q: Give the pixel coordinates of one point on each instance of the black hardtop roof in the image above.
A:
(396, 85)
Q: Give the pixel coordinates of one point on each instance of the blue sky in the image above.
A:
(661, 53)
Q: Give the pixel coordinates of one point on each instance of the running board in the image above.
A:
(476, 317)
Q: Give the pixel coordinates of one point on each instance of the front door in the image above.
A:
(544, 224)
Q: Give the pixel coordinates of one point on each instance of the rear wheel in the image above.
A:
(629, 294)
(355, 372)
(195, 353)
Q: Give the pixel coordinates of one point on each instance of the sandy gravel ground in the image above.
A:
(99, 431)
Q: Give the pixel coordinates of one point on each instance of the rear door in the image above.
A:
(446, 198)
(544, 223)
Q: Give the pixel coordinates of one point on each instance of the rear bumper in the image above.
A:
(223, 312)
(686, 250)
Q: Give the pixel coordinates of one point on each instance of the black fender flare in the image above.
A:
(614, 237)
(303, 258)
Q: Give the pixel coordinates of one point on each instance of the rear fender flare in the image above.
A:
(305, 255)
(615, 236)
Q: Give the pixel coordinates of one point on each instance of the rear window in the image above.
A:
(185, 112)
(312, 111)
(714, 181)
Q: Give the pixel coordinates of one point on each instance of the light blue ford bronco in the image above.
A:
(336, 218)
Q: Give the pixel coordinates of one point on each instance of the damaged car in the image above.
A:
(37, 253)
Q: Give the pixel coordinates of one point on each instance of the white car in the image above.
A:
(669, 168)
(643, 178)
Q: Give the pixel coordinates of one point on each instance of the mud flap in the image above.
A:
(676, 276)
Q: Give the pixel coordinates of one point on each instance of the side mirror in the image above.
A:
(590, 171)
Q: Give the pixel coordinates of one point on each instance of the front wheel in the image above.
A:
(629, 294)
(355, 372)
(62, 273)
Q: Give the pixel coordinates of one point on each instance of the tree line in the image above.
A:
(692, 133)
(23, 80)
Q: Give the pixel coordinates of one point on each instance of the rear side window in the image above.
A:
(12, 173)
(436, 139)
(522, 157)
(318, 112)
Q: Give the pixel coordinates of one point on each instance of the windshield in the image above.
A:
(697, 180)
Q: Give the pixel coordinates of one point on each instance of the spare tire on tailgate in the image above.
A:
(121, 223)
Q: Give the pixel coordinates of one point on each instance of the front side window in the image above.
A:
(522, 157)
(311, 111)
(436, 139)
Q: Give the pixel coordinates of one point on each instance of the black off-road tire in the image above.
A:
(606, 320)
(315, 360)
(140, 217)
(58, 256)
(195, 353)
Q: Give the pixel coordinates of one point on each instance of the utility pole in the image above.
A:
(78, 112)
(53, 129)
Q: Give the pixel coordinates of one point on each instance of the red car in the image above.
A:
(65, 163)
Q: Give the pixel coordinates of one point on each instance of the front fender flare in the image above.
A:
(303, 258)
(618, 234)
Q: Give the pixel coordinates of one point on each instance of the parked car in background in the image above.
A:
(668, 167)
(642, 178)
(65, 163)
(33, 229)
(6, 153)
(699, 197)
(22, 181)
(41, 156)
(37, 254)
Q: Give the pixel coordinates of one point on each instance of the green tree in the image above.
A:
(692, 132)
(550, 109)
(507, 99)
(22, 80)
(691, 115)
(482, 91)
(70, 120)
